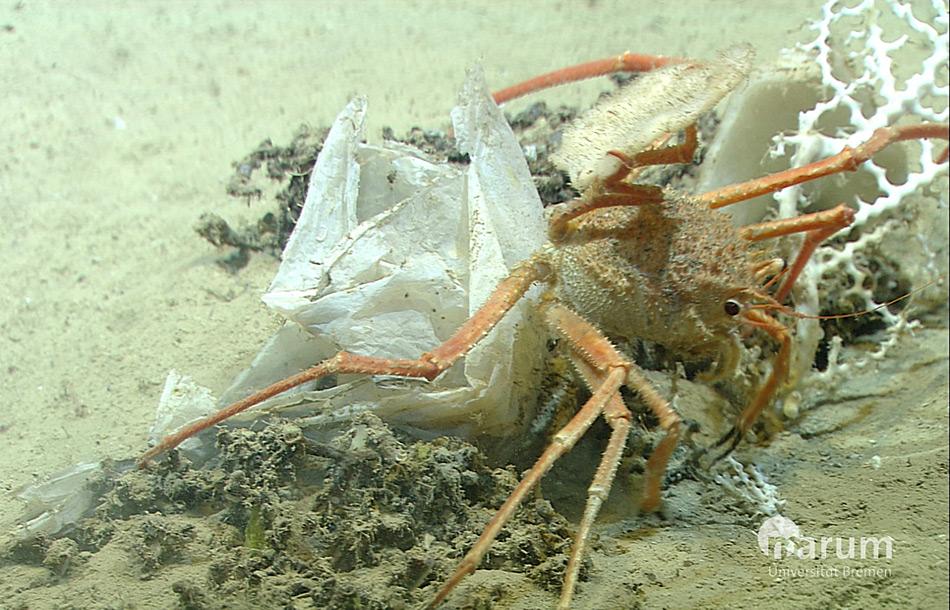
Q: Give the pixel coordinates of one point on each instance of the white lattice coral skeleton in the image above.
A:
(865, 38)
(748, 484)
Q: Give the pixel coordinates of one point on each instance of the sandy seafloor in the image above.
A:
(119, 122)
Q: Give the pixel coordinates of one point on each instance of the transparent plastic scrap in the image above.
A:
(59, 501)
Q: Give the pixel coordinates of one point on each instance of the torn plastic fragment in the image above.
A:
(59, 501)
(182, 402)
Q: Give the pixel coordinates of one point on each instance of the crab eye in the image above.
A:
(732, 308)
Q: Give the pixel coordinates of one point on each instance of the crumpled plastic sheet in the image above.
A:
(391, 253)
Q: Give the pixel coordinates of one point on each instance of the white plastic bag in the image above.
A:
(391, 253)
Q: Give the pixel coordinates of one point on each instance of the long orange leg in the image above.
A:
(597, 197)
(566, 438)
(818, 227)
(670, 422)
(605, 370)
(676, 153)
(848, 159)
(612, 191)
(628, 62)
(571, 325)
(590, 349)
(618, 418)
(427, 366)
(763, 397)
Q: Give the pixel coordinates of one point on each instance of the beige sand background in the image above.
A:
(119, 122)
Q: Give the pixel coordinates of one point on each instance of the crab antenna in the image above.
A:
(628, 62)
(774, 305)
